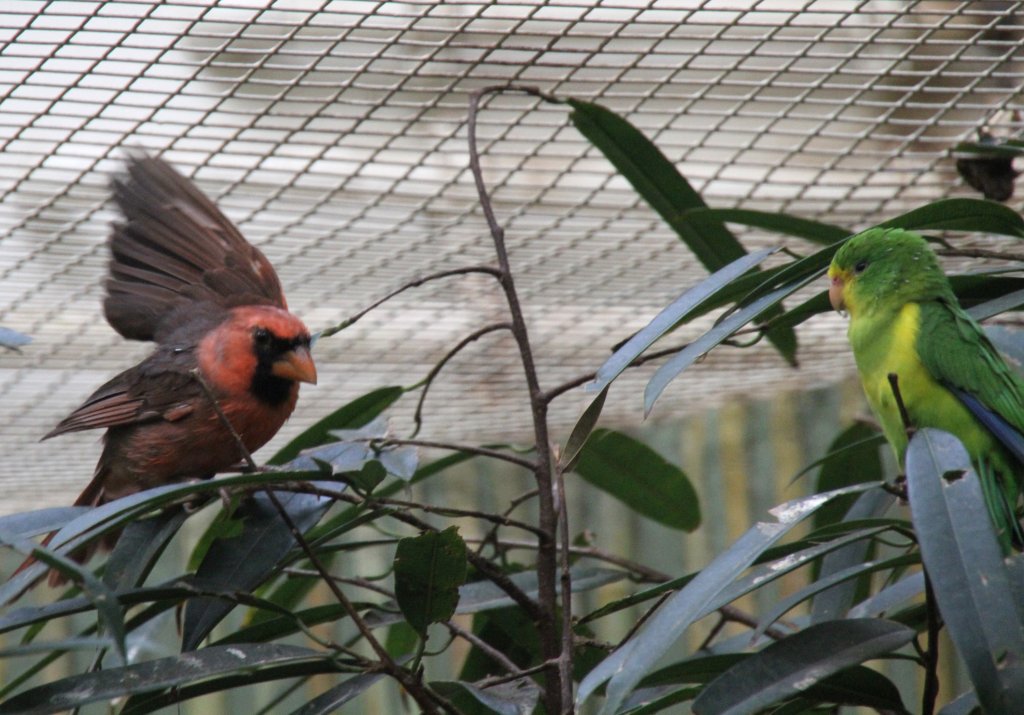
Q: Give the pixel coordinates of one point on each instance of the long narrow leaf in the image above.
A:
(961, 215)
(631, 662)
(790, 666)
(966, 566)
(816, 231)
(688, 355)
(668, 192)
(676, 311)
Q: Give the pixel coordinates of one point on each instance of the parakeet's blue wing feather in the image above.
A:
(1007, 434)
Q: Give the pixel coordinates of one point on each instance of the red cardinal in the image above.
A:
(182, 276)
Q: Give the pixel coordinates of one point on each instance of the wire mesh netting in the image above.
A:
(334, 134)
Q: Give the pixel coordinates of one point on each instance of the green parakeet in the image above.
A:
(905, 319)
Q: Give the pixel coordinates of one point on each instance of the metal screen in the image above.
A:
(334, 134)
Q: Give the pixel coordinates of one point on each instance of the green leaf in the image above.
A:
(678, 310)
(330, 701)
(244, 561)
(789, 667)
(512, 698)
(355, 414)
(41, 521)
(961, 215)
(656, 179)
(428, 572)
(964, 560)
(815, 231)
(111, 683)
(722, 330)
(639, 477)
(852, 458)
(631, 662)
(581, 431)
(139, 547)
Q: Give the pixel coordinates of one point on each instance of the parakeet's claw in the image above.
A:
(897, 488)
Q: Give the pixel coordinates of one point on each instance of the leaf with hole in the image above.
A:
(428, 572)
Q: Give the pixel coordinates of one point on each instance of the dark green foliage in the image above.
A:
(254, 605)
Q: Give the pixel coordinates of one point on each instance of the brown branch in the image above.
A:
(453, 447)
(547, 566)
(429, 379)
(565, 662)
(424, 697)
(489, 270)
(931, 656)
(894, 383)
(486, 648)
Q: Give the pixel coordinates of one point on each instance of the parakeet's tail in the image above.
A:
(1001, 499)
(1002, 491)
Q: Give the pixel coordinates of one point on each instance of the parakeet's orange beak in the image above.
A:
(835, 291)
(296, 365)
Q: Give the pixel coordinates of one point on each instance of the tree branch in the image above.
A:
(429, 379)
(465, 270)
(548, 518)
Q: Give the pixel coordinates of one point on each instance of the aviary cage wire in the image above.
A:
(334, 134)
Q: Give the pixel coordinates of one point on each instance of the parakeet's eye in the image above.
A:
(861, 265)
(261, 336)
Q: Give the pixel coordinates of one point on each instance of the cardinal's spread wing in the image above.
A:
(175, 250)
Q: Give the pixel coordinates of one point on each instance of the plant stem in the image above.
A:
(547, 557)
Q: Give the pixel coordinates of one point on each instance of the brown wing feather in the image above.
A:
(175, 249)
(159, 388)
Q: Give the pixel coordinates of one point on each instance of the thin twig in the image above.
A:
(492, 534)
(421, 694)
(894, 383)
(486, 648)
(575, 382)
(246, 454)
(931, 657)
(453, 447)
(489, 270)
(548, 518)
(565, 663)
(417, 416)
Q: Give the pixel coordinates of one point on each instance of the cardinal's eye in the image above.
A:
(261, 336)
(859, 268)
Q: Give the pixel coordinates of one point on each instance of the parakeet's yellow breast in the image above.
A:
(887, 344)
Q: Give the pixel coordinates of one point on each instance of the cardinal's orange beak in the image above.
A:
(296, 364)
(835, 291)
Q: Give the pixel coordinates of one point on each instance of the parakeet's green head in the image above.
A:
(884, 267)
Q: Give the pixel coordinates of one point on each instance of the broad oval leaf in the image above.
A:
(965, 563)
(790, 666)
(639, 477)
(429, 569)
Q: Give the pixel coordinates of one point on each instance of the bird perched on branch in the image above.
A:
(906, 321)
(227, 348)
